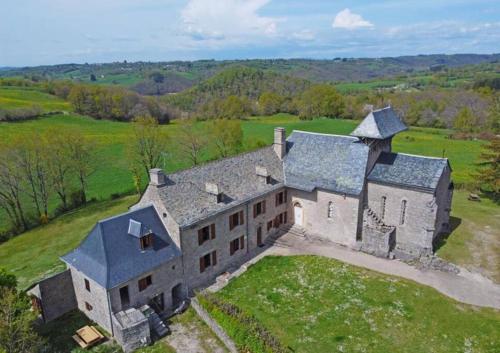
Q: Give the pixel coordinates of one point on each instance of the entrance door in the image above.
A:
(297, 211)
(158, 303)
(177, 295)
(124, 297)
(259, 236)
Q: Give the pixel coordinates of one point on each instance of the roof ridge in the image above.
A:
(101, 235)
(324, 134)
(220, 160)
(420, 156)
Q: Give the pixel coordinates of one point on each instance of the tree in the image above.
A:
(226, 135)
(93, 78)
(16, 321)
(11, 187)
(494, 113)
(270, 103)
(191, 141)
(465, 120)
(234, 107)
(59, 163)
(80, 150)
(32, 162)
(321, 100)
(148, 143)
(7, 280)
(489, 173)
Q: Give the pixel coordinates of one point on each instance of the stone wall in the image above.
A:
(56, 294)
(97, 298)
(444, 195)
(131, 329)
(192, 250)
(164, 278)
(214, 326)
(414, 237)
(341, 227)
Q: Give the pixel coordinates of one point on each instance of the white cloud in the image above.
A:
(345, 19)
(227, 19)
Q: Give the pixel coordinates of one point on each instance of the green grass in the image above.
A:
(112, 176)
(35, 254)
(314, 304)
(11, 98)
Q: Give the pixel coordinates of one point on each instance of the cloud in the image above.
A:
(346, 19)
(227, 19)
(304, 35)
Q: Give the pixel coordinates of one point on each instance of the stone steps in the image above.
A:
(156, 324)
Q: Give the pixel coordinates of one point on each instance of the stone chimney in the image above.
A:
(262, 174)
(280, 142)
(214, 192)
(157, 177)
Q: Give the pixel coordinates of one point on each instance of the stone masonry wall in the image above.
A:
(57, 295)
(414, 237)
(97, 297)
(192, 251)
(341, 228)
(164, 278)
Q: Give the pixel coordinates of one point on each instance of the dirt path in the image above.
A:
(466, 287)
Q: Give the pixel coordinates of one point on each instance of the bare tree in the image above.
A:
(191, 141)
(226, 135)
(148, 143)
(11, 187)
(80, 151)
(59, 163)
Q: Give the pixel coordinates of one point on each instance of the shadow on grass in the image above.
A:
(443, 238)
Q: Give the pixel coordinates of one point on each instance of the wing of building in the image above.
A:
(193, 225)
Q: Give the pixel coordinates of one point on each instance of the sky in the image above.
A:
(40, 32)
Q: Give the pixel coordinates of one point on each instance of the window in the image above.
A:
(146, 241)
(87, 284)
(269, 225)
(208, 260)
(206, 233)
(145, 283)
(403, 212)
(236, 244)
(281, 219)
(124, 297)
(330, 209)
(236, 219)
(259, 208)
(88, 306)
(382, 207)
(281, 198)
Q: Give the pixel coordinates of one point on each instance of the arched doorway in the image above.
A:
(298, 214)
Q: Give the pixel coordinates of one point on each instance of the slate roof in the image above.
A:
(330, 162)
(408, 170)
(111, 256)
(185, 196)
(380, 124)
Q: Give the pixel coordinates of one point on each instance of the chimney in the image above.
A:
(213, 190)
(280, 142)
(157, 177)
(263, 175)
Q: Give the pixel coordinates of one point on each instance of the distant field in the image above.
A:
(11, 98)
(314, 304)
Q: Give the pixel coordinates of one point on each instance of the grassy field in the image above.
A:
(113, 176)
(314, 304)
(11, 98)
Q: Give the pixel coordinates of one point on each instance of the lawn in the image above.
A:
(314, 304)
(16, 97)
(35, 254)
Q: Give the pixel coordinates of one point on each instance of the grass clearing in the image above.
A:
(11, 98)
(314, 304)
(35, 254)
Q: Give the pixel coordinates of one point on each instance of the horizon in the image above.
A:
(55, 32)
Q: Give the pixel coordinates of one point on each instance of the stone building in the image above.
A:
(193, 225)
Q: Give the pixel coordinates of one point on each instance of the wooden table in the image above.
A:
(87, 336)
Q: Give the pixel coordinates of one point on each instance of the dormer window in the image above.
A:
(146, 241)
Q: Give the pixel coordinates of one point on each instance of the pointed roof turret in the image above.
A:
(379, 124)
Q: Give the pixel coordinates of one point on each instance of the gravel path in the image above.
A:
(466, 287)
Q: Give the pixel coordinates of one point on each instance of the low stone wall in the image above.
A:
(56, 295)
(214, 326)
(378, 242)
(131, 329)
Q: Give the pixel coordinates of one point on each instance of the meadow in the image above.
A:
(314, 304)
(13, 97)
(112, 177)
